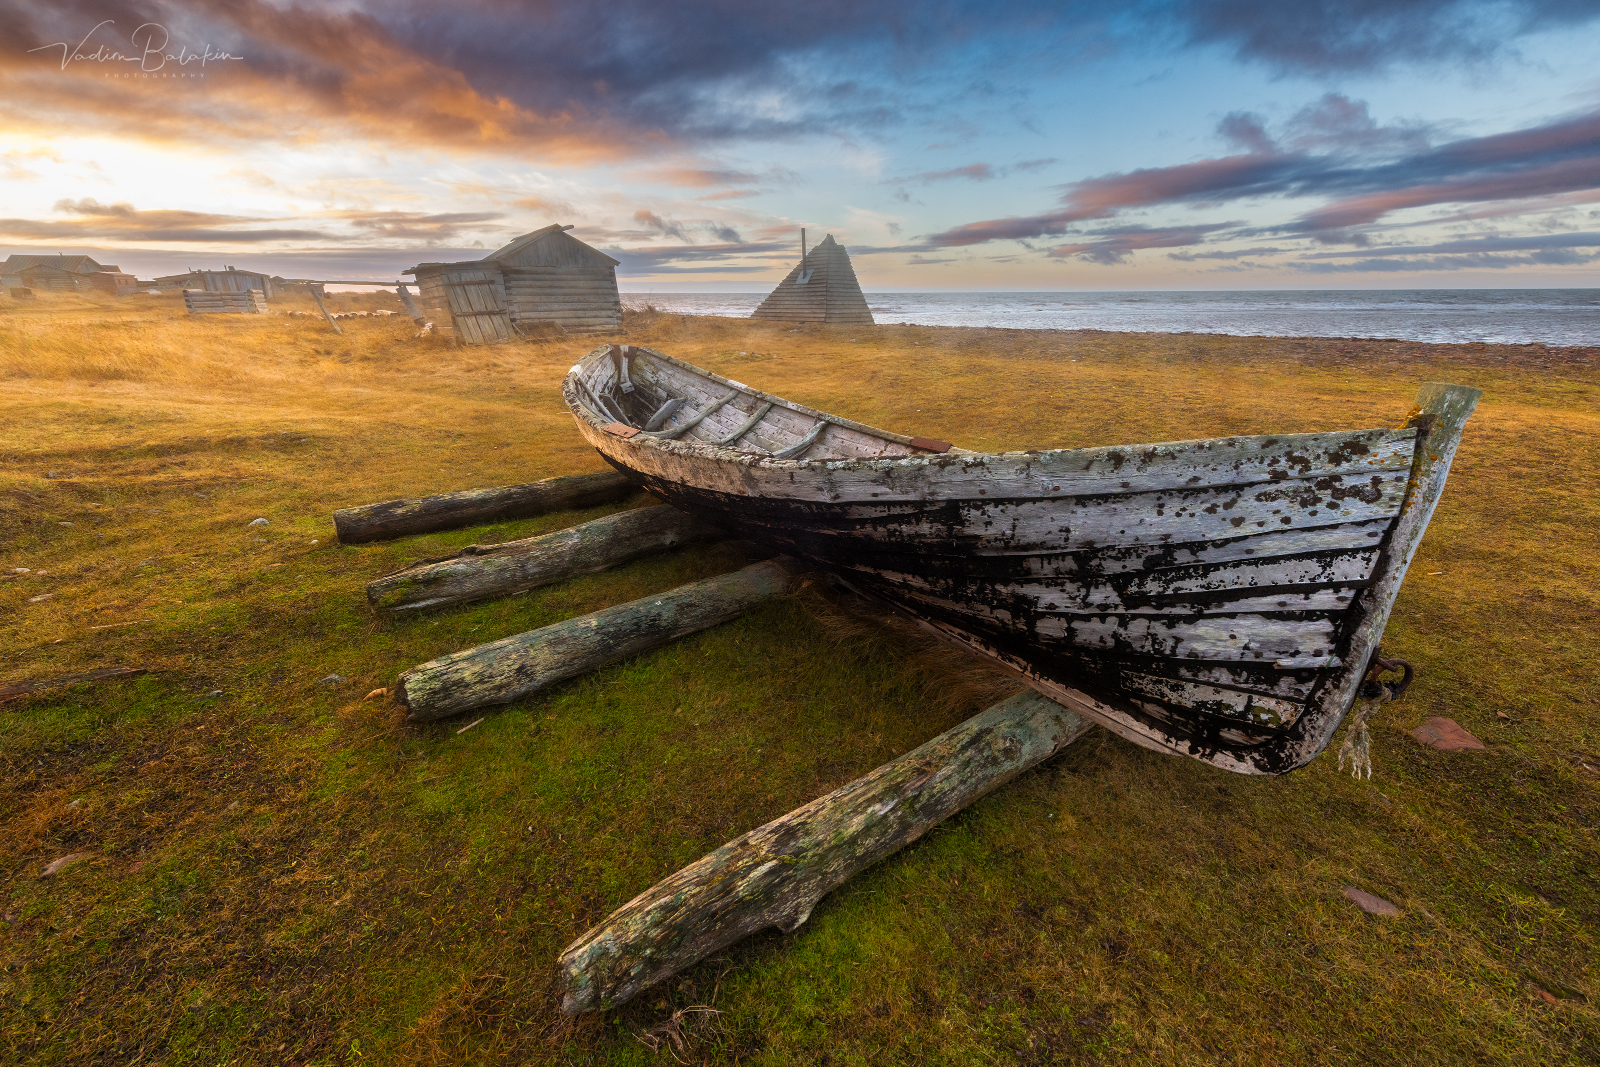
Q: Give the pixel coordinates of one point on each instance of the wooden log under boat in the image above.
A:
(475, 507)
(775, 874)
(479, 572)
(1214, 598)
(513, 667)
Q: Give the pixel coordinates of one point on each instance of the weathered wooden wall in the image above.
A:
(578, 299)
(477, 301)
(542, 279)
(829, 291)
(242, 302)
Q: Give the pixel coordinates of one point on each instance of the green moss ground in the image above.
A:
(287, 873)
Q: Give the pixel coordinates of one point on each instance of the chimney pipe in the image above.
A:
(802, 246)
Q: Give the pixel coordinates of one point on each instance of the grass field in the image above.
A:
(279, 871)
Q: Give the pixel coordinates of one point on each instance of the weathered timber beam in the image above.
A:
(513, 667)
(411, 306)
(774, 875)
(316, 294)
(474, 507)
(479, 572)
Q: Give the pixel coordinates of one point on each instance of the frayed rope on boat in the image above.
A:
(1357, 747)
(1374, 694)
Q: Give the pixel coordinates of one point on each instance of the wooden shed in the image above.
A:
(546, 278)
(821, 288)
(64, 274)
(228, 280)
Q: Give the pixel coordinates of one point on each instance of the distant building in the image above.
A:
(228, 280)
(821, 288)
(64, 274)
(543, 278)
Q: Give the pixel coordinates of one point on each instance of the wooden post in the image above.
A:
(505, 670)
(774, 875)
(411, 306)
(474, 507)
(479, 572)
(316, 294)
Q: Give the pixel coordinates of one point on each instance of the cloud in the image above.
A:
(1233, 253)
(91, 220)
(651, 220)
(124, 222)
(1477, 245)
(977, 172)
(545, 205)
(1247, 132)
(1485, 261)
(579, 84)
(1115, 245)
(1331, 36)
(728, 258)
(696, 177)
(413, 225)
(730, 194)
(1368, 171)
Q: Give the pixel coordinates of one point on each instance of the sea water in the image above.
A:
(1496, 316)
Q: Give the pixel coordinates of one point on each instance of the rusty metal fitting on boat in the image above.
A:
(1373, 685)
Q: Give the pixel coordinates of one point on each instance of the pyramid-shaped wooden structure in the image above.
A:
(822, 288)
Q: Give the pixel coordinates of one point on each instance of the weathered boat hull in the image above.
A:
(1218, 598)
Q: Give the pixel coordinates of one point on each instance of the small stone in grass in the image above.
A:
(1446, 735)
(57, 866)
(19, 570)
(41, 598)
(1370, 904)
(1546, 997)
(258, 522)
(332, 679)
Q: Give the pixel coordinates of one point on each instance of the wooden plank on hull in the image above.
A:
(1440, 415)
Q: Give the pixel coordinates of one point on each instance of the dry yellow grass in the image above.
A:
(286, 873)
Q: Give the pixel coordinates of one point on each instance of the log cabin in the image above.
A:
(544, 280)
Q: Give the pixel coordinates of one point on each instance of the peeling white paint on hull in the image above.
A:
(1217, 598)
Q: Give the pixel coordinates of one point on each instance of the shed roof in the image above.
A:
(548, 246)
(822, 287)
(76, 264)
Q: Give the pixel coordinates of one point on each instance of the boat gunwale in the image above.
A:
(964, 457)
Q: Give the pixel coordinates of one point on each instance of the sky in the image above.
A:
(948, 144)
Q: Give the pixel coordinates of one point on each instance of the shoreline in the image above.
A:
(1575, 355)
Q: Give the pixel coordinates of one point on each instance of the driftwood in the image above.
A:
(411, 305)
(479, 572)
(316, 294)
(513, 667)
(474, 507)
(22, 689)
(774, 875)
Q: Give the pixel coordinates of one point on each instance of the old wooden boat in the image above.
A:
(1221, 599)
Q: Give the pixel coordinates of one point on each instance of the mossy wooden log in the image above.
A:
(774, 875)
(502, 671)
(474, 507)
(479, 572)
